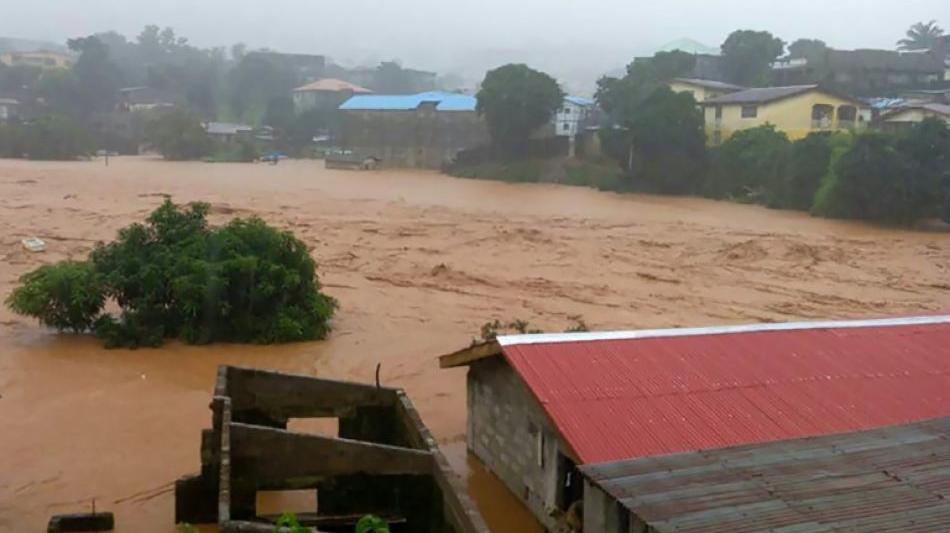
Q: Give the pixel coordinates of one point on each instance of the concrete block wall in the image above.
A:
(504, 424)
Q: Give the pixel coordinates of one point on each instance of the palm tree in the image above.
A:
(921, 36)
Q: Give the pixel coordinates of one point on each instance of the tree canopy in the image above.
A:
(807, 49)
(921, 36)
(747, 56)
(177, 277)
(515, 101)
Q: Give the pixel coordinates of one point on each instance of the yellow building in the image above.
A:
(797, 110)
(703, 90)
(37, 58)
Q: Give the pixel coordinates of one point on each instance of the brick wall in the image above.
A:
(506, 428)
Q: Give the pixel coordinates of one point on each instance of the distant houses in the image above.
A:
(142, 99)
(46, 59)
(227, 131)
(545, 411)
(797, 111)
(574, 115)
(903, 117)
(703, 90)
(863, 72)
(327, 93)
(424, 130)
(9, 109)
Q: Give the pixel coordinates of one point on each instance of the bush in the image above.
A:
(808, 163)
(54, 137)
(178, 136)
(872, 181)
(174, 276)
(750, 163)
(66, 296)
(237, 151)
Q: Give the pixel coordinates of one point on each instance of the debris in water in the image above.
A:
(34, 244)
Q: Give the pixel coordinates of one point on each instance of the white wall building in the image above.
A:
(573, 115)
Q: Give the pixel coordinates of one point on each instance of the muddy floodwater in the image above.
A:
(418, 262)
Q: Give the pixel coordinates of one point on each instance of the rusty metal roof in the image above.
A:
(891, 479)
(620, 395)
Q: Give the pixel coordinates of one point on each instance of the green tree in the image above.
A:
(516, 100)
(808, 163)
(807, 49)
(927, 149)
(747, 56)
(872, 181)
(921, 36)
(99, 78)
(254, 82)
(178, 135)
(749, 164)
(176, 277)
(52, 137)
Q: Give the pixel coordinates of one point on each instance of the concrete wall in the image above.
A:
(603, 514)
(420, 138)
(506, 428)
(791, 115)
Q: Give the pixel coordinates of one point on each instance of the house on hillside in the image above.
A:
(575, 114)
(424, 130)
(540, 405)
(9, 109)
(327, 93)
(38, 58)
(304, 66)
(227, 131)
(703, 90)
(863, 72)
(142, 99)
(868, 481)
(797, 110)
(904, 117)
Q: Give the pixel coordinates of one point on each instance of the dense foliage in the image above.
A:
(516, 100)
(176, 277)
(921, 36)
(747, 57)
(54, 137)
(178, 135)
(748, 164)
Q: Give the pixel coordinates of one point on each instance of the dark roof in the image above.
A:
(890, 479)
(711, 84)
(761, 94)
(624, 394)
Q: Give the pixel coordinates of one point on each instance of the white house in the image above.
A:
(575, 113)
(8, 108)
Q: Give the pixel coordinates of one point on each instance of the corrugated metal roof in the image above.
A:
(890, 479)
(332, 85)
(620, 397)
(711, 84)
(579, 100)
(761, 94)
(405, 102)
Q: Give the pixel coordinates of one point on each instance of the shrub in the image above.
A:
(808, 163)
(174, 276)
(178, 136)
(54, 137)
(748, 164)
(869, 181)
(66, 296)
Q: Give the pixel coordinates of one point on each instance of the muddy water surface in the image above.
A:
(418, 262)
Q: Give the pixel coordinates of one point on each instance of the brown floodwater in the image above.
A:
(418, 262)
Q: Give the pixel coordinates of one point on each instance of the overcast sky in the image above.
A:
(435, 33)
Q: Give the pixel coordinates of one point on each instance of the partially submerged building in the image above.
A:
(383, 460)
(424, 130)
(540, 405)
(890, 479)
(796, 110)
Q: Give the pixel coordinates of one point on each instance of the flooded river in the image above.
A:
(418, 262)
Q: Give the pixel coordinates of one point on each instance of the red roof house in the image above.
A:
(539, 404)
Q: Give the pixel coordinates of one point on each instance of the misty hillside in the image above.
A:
(12, 44)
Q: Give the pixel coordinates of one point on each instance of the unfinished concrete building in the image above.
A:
(539, 406)
(383, 462)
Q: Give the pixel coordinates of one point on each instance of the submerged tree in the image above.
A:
(515, 101)
(177, 277)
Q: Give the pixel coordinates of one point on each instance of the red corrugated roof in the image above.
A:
(619, 398)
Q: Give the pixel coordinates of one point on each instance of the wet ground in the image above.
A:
(418, 261)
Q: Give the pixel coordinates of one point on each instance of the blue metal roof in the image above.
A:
(578, 100)
(405, 102)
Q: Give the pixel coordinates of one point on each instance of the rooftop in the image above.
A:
(710, 84)
(332, 85)
(625, 394)
(939, 109)
(226, 128)
(579, 100)
(405, 102)
(689, 46)
(761, 94)
(888, 479)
